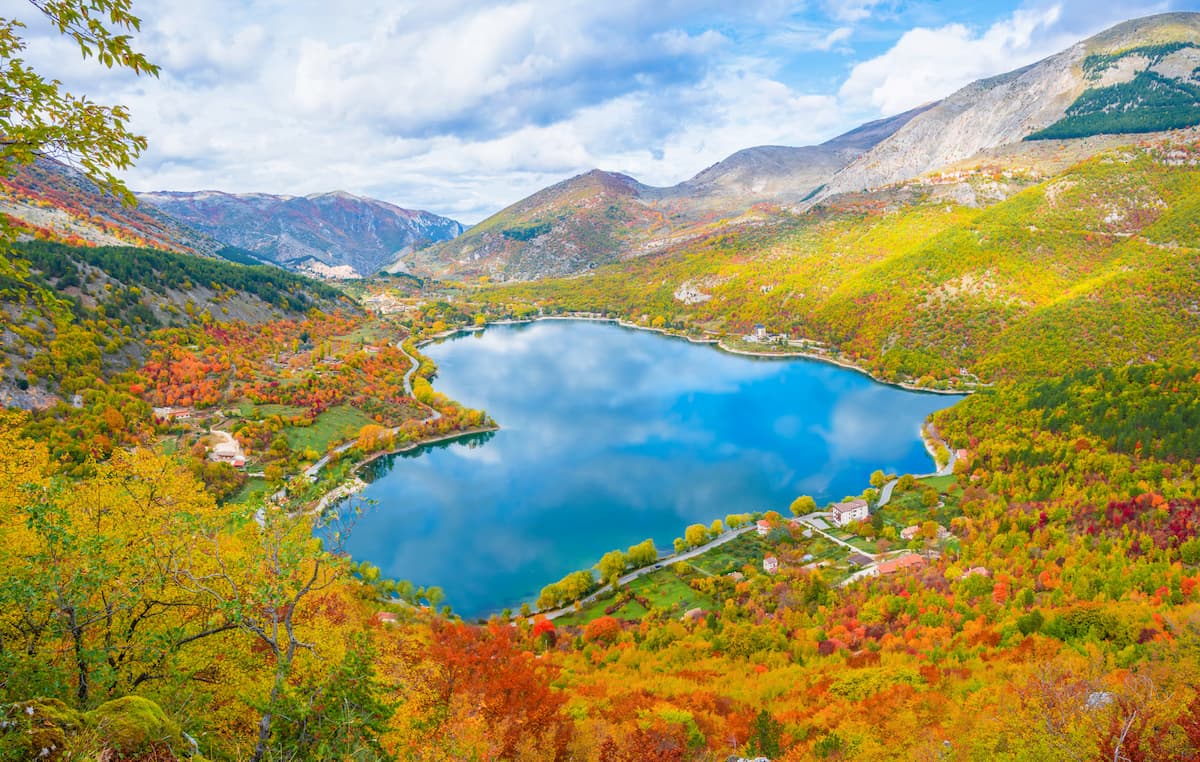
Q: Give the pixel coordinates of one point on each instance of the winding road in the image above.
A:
(312, 471)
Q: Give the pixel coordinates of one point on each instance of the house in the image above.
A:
(172, 413)
(850, 511)
(860, 559)
(760, 332)
(903, 563)
(228, 452)
(77, 401)
(694, 615)
(976, 571)
(771, 564)
(385, 618)
(764, 527)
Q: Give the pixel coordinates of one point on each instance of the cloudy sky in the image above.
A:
(464, 106)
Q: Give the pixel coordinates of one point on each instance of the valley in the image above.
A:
(886, 447)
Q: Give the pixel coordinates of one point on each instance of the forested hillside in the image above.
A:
(49, 200)
(68, 313)
(1093, 266)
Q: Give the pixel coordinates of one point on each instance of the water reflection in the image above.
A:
(611, 436)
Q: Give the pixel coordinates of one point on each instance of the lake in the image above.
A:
(611, 435)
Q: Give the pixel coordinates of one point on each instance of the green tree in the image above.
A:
(39, 118)
(434, 595)
(764, 735)
(1190, 551)
(340, 717)
(642, 554)
(262, 580)
(550, 596)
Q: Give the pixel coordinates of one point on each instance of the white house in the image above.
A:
(228, 452)
(770, 564)
(850, 511)
(764, 527)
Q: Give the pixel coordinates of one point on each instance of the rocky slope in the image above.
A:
(785, 174)
(51, 200)
(330, 234)
(1016, 106)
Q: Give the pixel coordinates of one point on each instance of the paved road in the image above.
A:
(885, 494)
(662, 562)
(806, 522)
(312, 471)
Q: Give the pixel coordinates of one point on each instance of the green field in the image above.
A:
(334, 425)
(631, 610)
(253, 489)
(732, 556)
(942, 484)
(665, 590)
(662, 588)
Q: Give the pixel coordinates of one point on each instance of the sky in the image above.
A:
(462, 107)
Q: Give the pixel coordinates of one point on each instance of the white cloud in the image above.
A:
(852, 10)
(928, 64)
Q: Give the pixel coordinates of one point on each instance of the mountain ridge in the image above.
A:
(1088, 90)
(599, 216)
(334, 233)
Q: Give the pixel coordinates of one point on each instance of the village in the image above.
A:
(847, 542)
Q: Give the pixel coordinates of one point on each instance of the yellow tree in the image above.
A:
(262, 578)
(109, 617)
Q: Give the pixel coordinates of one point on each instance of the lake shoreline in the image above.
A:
(715, 342)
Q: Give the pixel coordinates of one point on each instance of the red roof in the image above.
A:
(893, 565)
(385, 617)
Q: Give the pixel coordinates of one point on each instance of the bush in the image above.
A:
(604, 630)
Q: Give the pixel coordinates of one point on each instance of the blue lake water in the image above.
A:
(609, 436)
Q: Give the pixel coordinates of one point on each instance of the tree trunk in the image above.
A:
(264, 725)
(81, 665)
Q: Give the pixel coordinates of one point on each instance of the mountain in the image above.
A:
(600, 217)
(566, 228)
(332, 234)
(787, 174)
(50, 200)
(1139, 76)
